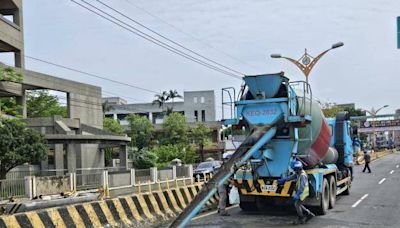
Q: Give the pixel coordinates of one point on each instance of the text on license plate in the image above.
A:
(269, 188)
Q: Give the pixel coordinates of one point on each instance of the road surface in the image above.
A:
(374, 201)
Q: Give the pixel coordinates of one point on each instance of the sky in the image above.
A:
(238, 34)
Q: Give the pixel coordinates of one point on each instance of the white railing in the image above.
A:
(90, 180)
(12, 188)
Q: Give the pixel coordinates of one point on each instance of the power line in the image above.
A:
(91, 74)
(82, 101)
(188, 34)
(172, 41)
(153, 40)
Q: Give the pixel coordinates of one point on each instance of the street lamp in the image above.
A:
(374, 113)
(307, 62)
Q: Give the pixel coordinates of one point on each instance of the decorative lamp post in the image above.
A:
(373, 113)
(307, 62)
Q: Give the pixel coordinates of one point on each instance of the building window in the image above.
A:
(121, 116)
(196, 116)
(195, 99)
(203, 115)
(51, 157)
(202, 100)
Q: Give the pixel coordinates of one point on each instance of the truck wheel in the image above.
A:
(347, 191)
(248, 206)
(322, 209)
(332, 192)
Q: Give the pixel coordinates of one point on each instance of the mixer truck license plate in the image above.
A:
(269, 188)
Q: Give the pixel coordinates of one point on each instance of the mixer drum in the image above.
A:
(315, 138)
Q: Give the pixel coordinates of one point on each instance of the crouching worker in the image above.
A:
(223, 191)
(301, 192)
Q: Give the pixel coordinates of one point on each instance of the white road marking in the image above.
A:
(213, 212)
(381, 181)
(397, 166)
(391, 172)
(359, 201)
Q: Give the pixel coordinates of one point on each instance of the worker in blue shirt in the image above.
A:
(301, 192)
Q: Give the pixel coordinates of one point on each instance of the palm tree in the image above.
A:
(172, 94)
(165, 96)
(161, 99)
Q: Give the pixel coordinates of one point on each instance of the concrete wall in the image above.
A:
(199, 101)
(52, 185)
(11, 33)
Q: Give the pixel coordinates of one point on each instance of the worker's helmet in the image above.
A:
(296, 165)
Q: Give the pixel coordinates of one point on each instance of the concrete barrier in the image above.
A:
(374, 156)
(138, 209)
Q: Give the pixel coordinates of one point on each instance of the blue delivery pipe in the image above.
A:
(261, 142)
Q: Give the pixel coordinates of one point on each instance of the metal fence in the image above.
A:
(52, 172)
(12, 188)
(182, 171)
(88, 181)
(20, 174)
(142, 175)
(120, 178)
(165, 174)
(94, 179)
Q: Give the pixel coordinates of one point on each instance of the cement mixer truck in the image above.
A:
(283, 123)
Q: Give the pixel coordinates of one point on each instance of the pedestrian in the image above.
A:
(223, 192)
(223, 197)
(367, 160)
(301, 192)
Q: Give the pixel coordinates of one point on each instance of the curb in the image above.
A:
(376, 156)
(134, 210)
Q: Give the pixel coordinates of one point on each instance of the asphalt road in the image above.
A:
(374, 202)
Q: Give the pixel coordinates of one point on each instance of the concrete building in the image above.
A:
(197, 106)
(76, 141)
(11, 30)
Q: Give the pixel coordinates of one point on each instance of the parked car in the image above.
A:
(206, 168)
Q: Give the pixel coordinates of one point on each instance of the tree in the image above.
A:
(160, 99)
(201, 136)
(19, 145)
(141, 132)
(8, 105)
(143, 159)
(331, 112)
(10, 75)
(41, 104)
(175, 129)
(355, 112)
(165, 96)
(166, 153)
(114, 127)
(106, 107)
(172, 94)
